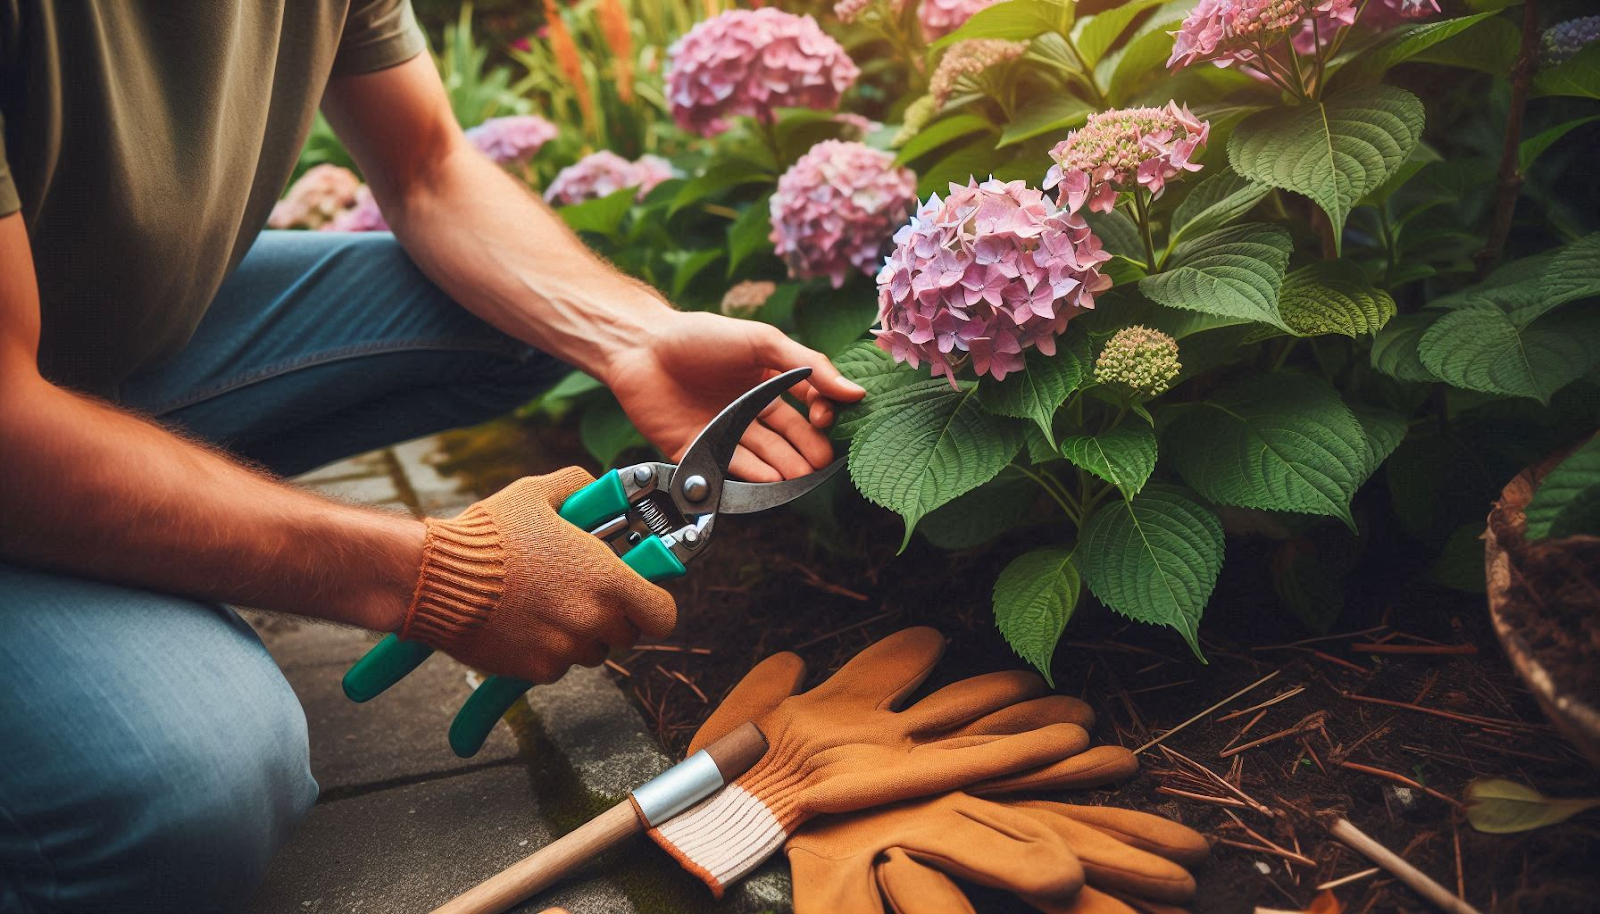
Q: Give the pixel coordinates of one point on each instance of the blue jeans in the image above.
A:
(152, 757)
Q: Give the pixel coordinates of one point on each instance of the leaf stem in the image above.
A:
(1085, 72)
(1060, 498)
(1508, 180)
(1141, 207)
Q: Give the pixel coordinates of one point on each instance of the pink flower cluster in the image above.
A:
(1394, 12)
(1124, 148)
(750, 62)
(835, 208)
(967, 59)
(316, 199)
(512, 140)
(364, 216)
(1226, 32)
(941, 17)
(988, 272)
(603, 173)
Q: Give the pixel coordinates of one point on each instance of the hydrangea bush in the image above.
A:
(1190, 271)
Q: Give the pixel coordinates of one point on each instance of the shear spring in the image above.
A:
(654, 518)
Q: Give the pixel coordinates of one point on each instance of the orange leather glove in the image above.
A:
(843, 747)
(511, 588)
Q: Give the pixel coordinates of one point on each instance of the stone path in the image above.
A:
(402, 824)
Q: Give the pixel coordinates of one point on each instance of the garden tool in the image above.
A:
(661, 798)
(655, 516)
(844, 746)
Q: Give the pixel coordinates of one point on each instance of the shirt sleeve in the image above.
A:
(9, 201)
(378, 34)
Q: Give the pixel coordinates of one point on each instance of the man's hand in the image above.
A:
(697, 363)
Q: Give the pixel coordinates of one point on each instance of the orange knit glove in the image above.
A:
(843, 746)
(511, 588)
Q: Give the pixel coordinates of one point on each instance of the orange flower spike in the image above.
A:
(570, 60)
(619, 37)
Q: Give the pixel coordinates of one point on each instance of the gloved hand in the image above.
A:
(511, 588)
(843, 746)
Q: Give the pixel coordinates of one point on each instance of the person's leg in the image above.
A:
(326, 344)
(152, 757)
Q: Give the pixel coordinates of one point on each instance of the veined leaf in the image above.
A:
(1488, 47)
(1117, 234)
(1142, 57)
(1033, 599)
(1401, 45)
(982, 514)
(1013, 20)
(1281, 443)
(602, 215)
(719, 175)
(1154, 559)
(1578, 76)
(872, 368)
(1038, 391)
(1047, 114)
(855, 417)
(938, 133)
(1567, 501)
(1099, 32)
(1334, 151)
(919, 454)
(1385, 430)
(1124, 456)
(1529, 288)
(606, 431)
(1394, 348)
(1215, 203)
(973, 160)
(1534, 146)
(1233, 272)
(1482, 349)
(749, 234)
(1333, 296)
(832, 320)
(1502, 807)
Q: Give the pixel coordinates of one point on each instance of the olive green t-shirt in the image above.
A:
(144, 142)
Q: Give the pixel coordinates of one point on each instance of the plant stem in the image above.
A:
(769, 136)
(1087, 73)
(1060, 498)
(1283, 354)
(1508, 182)
(1142, 208)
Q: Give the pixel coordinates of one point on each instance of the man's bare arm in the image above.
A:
(89, 489)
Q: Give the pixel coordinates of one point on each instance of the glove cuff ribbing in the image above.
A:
(722, 838)
(461, 582)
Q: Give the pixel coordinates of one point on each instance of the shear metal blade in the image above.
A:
(704, 466)
(750, 497)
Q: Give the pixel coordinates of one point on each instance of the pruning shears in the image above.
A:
(657, 517)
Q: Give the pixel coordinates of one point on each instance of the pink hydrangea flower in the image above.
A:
(746, 298)
(750, 62)
(967, 59)
(985, 274)
(851, 10)
(1383, 14)
(1226, 32)
(512, 140)
(363, 217)
(857, 127)
(603, 173)
(1124, 148)
(941, 17)
(313, 201)
(835, 208)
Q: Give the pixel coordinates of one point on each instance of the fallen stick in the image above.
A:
(1219, 704)
(1441, 649)
(1405, 872)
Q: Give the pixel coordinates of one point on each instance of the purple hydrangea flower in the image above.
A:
(750, 62)
(603, 173)
(364, 216)
(316, 199)
(985, 274)
(1123, 148)
(1226, 32)
(512, 140)
(1560, 42)
(835, 208)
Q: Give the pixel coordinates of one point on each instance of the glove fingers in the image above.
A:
(1111, 865)
(950, 764)
(560, 485)
(910, 887)
(832, 885)
(757, 694)
(1088, 901)
(962, 703)
(1091, 768)
(1155, 834)
(1031, 714)
(883, 674)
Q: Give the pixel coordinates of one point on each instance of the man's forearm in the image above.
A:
(90, 489)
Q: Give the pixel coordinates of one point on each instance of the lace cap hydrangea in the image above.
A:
(750, 62)
(835, 208)
(1560, 42)
(364, 216)
(322, 193)
(746, 298)
(967, 59)
(603, 173)
(1139, 360)
(1125, 148)
(512, 140)
(941, 17)
(985, 274)
(1226, 32)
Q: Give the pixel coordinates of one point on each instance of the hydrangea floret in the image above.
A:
(316, 199)
(603, 173)
(364, 216)
(746, 298)
(512, 140)
(968, 59)
(941, 17)
(1226, 32)
(1139, 360)
(751, 62)
(1562, 41)
(986, 273)
(856, 126)
(1125, 148)
(836, 207)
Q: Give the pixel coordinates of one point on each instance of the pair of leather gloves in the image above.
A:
(880, 806)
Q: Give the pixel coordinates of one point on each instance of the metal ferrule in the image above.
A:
(678, 788)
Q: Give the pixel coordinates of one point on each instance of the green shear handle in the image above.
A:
(391, 659)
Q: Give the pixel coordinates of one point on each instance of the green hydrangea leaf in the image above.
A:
(1333, 296)
(606, 431)
(1385, 430)
(982, 514)
(1334, 151)
(1124, 456)
(1033, 599)
(1394, 348)
(1143, 58)
(1532, 287)
(1578, 77)
(940, 132)
(1050, 113)
(602, 216)
(1401, 45)
(749, 234)
(923, 451)
(1013, 20)
(1215, 203)
(1234, 272)
(1567, 501)
(1154, 559)
(832, 320)
(1097, 33)
(1281, 442)
(1482, 349)
(1117, 233)
(1038, 391)
(872, 368)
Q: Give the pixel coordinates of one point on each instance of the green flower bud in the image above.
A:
(1139, 360)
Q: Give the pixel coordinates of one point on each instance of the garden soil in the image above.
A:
(1348, 738)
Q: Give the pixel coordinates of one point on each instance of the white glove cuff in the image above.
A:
(723, 837)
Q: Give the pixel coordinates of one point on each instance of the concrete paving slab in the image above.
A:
(436, 495)
(368, 464)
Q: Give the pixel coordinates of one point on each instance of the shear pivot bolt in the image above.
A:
(641, 476)
(691, 536)
(695, 488)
